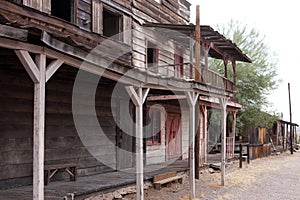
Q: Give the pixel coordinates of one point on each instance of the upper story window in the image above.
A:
(178, 61)
(63, 9)
(112, 23)
(151, 56)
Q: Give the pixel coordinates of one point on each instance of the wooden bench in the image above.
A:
(51, 170)
(162, 179)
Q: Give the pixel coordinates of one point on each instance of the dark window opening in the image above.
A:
(178, 65)
(111, 24)
(152, 55)
(63, 9)
(154, 127)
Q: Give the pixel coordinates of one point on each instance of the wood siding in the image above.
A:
(62, 142)
(166, 49)
(84, 14)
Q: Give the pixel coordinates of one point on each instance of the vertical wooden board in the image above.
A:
(97, 16)
(36, 4)
(127, 26)
(47, 6)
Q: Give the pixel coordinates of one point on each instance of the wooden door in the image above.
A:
(125, 136)
(173, 136)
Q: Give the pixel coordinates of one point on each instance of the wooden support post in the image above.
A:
(192, 98)
(205, 135)
(138, 97)
(225, 61)
(197, 146)
(234, 78)
(192, 42)
(291, 131)
(248, 153)
(39, 129)
(38, 73)
(198, 47)
(223, 104)
(241, 155)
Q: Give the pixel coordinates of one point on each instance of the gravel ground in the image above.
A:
(275, 177)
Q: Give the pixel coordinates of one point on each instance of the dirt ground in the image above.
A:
(275, 177)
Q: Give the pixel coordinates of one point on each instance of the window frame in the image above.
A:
(179, 67)
(115, 12)
(151, 141)
(73, 11)
(153, 68)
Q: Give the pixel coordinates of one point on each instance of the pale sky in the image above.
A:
(278, 21)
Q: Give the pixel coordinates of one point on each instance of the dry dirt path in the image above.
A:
(272, 178)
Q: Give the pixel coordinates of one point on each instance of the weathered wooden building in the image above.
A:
(280, 133)
(60, 64)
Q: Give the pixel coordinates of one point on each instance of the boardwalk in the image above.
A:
(90, 184)
(274, 178)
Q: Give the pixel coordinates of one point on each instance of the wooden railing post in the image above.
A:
(241, 155)
(248, 153)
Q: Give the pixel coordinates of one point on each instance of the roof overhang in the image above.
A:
(220, 46)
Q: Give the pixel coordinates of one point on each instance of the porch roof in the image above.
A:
(208, 35)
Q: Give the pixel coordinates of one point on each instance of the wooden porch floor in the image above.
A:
(92, 184)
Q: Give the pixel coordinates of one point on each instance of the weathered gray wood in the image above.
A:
(97, 16)
(12, 32)
(39, 129)
(52, 68)
(138, 97)
(192, 98)
(127, 26)
(29, 65)
(223, 104)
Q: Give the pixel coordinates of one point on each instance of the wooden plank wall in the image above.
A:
(166, 49)
(151, 11)
(84, 14)
(62, 143)
(170, 12)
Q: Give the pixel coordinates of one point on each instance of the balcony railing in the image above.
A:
(186, 71)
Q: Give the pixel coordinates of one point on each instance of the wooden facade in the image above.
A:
(44, 45)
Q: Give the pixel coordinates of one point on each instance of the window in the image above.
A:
(63, 9)
(178, 61)
(152, 55)
(112, 23)
(154, 127)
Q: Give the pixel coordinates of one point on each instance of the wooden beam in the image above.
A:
(197, 146)
(223, 104)
(192, 98)
(12, 32)
(52, 68)
(28, 64)
(138, 97)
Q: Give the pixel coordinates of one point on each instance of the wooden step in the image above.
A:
(158, 184)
